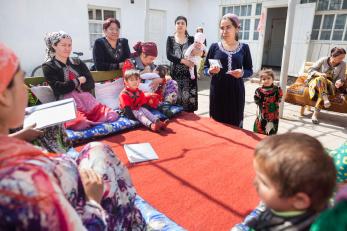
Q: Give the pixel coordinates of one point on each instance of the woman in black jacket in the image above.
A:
(110, 52)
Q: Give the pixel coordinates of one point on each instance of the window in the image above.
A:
(96, 17)
(245, 15)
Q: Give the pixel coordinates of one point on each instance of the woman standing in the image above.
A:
(110, 52)
(176, 46)
(326, 75)
(227, 90)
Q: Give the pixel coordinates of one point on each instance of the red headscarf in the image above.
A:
(8, 66)
(148, 48)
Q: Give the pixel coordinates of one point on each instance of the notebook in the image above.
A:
(140, 152)
(49, 114)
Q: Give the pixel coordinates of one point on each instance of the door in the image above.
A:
(278, 26)
(303, 22)
(157, 32)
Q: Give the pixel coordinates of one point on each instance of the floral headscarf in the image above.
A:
(8, 66)
(51, 39)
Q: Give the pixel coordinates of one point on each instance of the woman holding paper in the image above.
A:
(43, 191)
(176, 46)
(230, 62)
(70, 78)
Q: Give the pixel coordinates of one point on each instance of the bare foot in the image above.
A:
(155, 126)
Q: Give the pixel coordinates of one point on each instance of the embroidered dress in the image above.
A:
(44, 192)
(187, 87)
(227, 94)
(267, 99)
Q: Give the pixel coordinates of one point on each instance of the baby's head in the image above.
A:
(267, 77)
(293, 173)
(162, 70)
(132, 78)
(199, 38)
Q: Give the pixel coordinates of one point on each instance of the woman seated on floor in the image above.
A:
(70, 78)
(40, 191)
(110, 52)
(325, 77)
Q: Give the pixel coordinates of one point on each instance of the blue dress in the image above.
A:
(227, 94)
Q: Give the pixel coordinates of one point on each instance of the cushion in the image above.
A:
(43, 93)
(154, 219)
(107, 93)
(121, 124)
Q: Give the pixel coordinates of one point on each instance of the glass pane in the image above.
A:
(303, 1)
(316, 22)
(249, 10)
(95, 28)
(109, 14)
(337, 35)
(256, 23)
(258, 9)
(240, 35)
(340, 21)
(344, 4)
(335, 4)
(345, 36)
(237, 10)
(98, 15)
(241, 24)
(90, 14)
(246, 35)
(243, 10)
(328, 21)
(255, 35)
(310, 1)
(314, 34)
(224, 10)
(323, 5)
(247, 24)
(325, 35)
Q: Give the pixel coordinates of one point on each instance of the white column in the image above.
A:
(146, 20)
(286, 50)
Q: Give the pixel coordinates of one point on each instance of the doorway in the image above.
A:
(157, 30)
(274, 37)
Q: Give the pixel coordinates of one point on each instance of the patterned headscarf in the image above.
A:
(8, 66)
(148, 48)
(51, 39)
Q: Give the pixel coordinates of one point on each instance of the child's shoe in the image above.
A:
(155, 126)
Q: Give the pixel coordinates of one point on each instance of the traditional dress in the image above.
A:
(63, 79)
(267, 99)
(227, 94)
(187, 87)
(108, 58)
(132, 103)
(43, 191)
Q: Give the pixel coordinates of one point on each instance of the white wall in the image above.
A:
(24, 23)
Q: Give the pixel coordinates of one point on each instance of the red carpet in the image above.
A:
(203, 178)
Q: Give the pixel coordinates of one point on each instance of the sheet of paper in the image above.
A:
(215, 62)
(140, 152)
(49, 114)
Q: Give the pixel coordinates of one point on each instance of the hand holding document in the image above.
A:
(215, 63)
(49, 114)
(140, 152)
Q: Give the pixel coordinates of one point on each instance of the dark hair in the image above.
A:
(198, 29)
(267, 72)
(109, 21)
(130, 73)
(297, 162)
(234, 25)
(184, 19)
(336, 51)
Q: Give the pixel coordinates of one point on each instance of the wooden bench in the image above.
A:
(98, 76)
(298, 94)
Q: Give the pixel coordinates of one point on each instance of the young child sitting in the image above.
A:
(133, 102)
(267, 97)
(294, 179)
(199, 39)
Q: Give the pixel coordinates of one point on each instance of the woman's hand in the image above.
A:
(92, 184)
(82, 79)
(237, 73)
(27, 134)
(155, 83)
(187, 62)
(197, 52)
(214, 70)
(338, 84)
